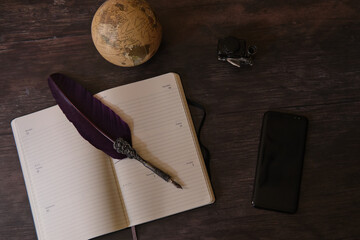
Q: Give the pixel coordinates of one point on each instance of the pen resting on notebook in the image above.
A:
(96, 122)
(123, 147)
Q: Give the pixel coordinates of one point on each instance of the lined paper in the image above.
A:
(71, 185)
(162, 133)
(78, 192)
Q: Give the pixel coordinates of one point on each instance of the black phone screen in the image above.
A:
(280, 161)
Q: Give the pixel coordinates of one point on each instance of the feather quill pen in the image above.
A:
(96, 122)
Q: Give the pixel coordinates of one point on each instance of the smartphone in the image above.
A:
(280, 162)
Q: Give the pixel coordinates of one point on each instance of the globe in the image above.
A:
(126, 32)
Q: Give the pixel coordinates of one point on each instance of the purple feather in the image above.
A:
(95, 122)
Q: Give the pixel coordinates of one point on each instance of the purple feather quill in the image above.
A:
(95, 122)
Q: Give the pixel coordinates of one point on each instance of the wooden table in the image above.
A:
(308, 63)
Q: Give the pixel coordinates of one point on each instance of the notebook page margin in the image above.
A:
(194, 136)
(27, 179)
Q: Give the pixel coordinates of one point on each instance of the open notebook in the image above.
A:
(78, 192)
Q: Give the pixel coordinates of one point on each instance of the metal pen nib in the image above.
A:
(176, 184)
(123, 147)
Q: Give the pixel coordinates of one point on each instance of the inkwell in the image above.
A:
(235, 51)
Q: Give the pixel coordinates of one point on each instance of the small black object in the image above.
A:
(234, 51)
(280, 162)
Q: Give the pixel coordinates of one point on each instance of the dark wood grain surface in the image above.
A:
(308, 62)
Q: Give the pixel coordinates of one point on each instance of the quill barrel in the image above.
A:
(123, 147)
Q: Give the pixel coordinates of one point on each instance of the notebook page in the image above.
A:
(71, 185)
(162, 134)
